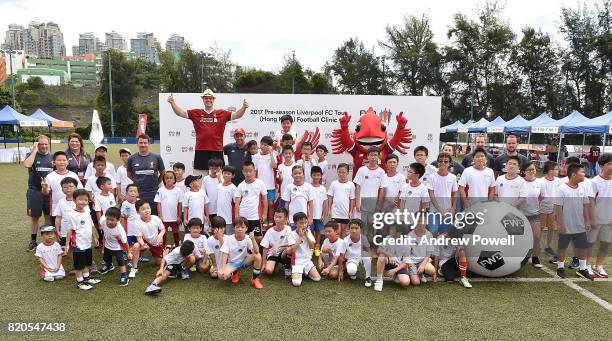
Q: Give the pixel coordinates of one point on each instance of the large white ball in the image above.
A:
(500, 239)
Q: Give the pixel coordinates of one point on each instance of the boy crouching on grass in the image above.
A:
(240, 251)
(49, 254)
(301, 242)
(450, 262)
(173, 264)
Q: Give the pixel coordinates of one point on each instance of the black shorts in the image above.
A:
(81, 259)
(390, 266)
(254, 226)
(201, 157)
(450, 270)
(119, 256)
(276, 258)
(62, 241)
(579, 240)
(37, 203)
(341, 221)
(173, 269)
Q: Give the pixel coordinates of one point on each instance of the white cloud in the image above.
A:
(260, 33)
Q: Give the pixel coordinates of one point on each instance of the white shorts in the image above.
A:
(354, 261)
(49, 276)
(546, 207)
(600, 233)
(302, 268)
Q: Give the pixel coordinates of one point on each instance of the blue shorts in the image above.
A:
(435, 225)
(238, 264)
(271, 195)
(132, 240)
(317, 225)
(281, 203)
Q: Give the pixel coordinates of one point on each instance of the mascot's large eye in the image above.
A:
(358, 127)
(383, 127)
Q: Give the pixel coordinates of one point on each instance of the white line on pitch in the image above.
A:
(535, 279)
(584, 292)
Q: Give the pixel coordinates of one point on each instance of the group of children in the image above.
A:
(284, 213)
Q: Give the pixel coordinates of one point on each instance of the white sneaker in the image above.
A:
(599, 270)
(84, 286)
(133, 272)
(378, 285)
(464, 281)
(590, 270)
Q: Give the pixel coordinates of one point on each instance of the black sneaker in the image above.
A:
(368, 282)
(31, 245)
(585, 274)
(575, 263)
(535, 261)
(123, 279)
(553, 260)
(107, 268)
(561, 273)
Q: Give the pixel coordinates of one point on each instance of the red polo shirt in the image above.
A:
(209, 128)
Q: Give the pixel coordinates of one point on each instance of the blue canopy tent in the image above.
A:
(39, 114)
(573, 119)
(469, 128)
(10, 117)
(451, 128)
(601, 125)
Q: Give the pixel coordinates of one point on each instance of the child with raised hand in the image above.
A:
(214, 243)
(301, 242)
(265, 165)
(115, 245)
(240, 251)
(307, 161)
(49, 254)
(195, 226)
(172, 264)
(275, 242)
(169, 200)
(332, 253)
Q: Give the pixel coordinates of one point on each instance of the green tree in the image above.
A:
(254, 81)
(35, 83)
(356, 70)
(320, 83)
(292, 78)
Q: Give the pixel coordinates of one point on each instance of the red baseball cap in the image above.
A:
(239, 131)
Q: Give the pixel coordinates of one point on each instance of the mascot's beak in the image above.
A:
(370, 141)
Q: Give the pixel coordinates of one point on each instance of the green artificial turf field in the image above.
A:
(201, 308)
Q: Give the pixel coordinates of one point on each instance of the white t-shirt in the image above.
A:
(149, 230)
(588, 187)
(200, 242)
(444, 252)
(337, 248)
(123, 180)
(413, 196)
(442, 186)
(210, 186)
(324, 167)
(128, 210)
(370, 181)
(548, 192)
(401, 252)
(194, 202)
(319, 195)
(55, 188)
(92, 187)
(213, 247)
(302, 254)
(508, 190)
(49, 253)
(419, 249)
(174, 257)
(298, 197)
(63, 209)
(265, 172)
(82, 227)
(394, 185)
(110, 169)
(307, 168)
(429, 170)
(237, 249)
(274, 238)
(278, 135)
(181, 185)
(572, 201)
(285, 175)
(250, 198)
(477, 183)
(115, 237)
(531, 205)
(602, 190)
(169, 199)
(104, 202)
(342, 194)
(225, 202)
(356, 250)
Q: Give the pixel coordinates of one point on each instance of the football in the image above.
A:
(499, 238)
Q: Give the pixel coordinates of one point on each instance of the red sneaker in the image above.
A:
(236, 277)
(256, 283)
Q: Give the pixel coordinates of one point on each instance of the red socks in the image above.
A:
(463, 267)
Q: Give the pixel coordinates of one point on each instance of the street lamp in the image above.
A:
(11, 53)
(383, 75)
(110, 93)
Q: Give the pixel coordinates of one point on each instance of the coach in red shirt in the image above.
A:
(209, 124)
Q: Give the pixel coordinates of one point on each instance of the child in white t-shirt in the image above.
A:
(510, 187)
(284, 172)
(105, 199)
(450, 261)
(442, 186)
(63, 208)
(195, 201)
(298, 195)
(122, 178)
(601, 228)
(150, 233)
(531, 208)
(214, 243)
(129, 214)
(240, 251)
(225, 198)
(307, 161)
(179, 170)
(319, 205)
(248, 196)
(550, 184)
(301, 242)
(357, 252)
(286, 123)
(414, 196)
(210, 184)
(332, 253)
(477, 182)
(169, 200)
(195, 226)
(49, 254)
(419, 252)
(395, 181)
(275, 244)
(51, 184)
(265, 164)
(369, 189)
(341, 198)
(115, 245)
(420, 156)
(99, 164)
(321, 152)
(171, 265)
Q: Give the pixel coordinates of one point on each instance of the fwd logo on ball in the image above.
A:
(491, 260)
(513, 224)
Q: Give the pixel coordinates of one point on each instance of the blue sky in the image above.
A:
(260, 33)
